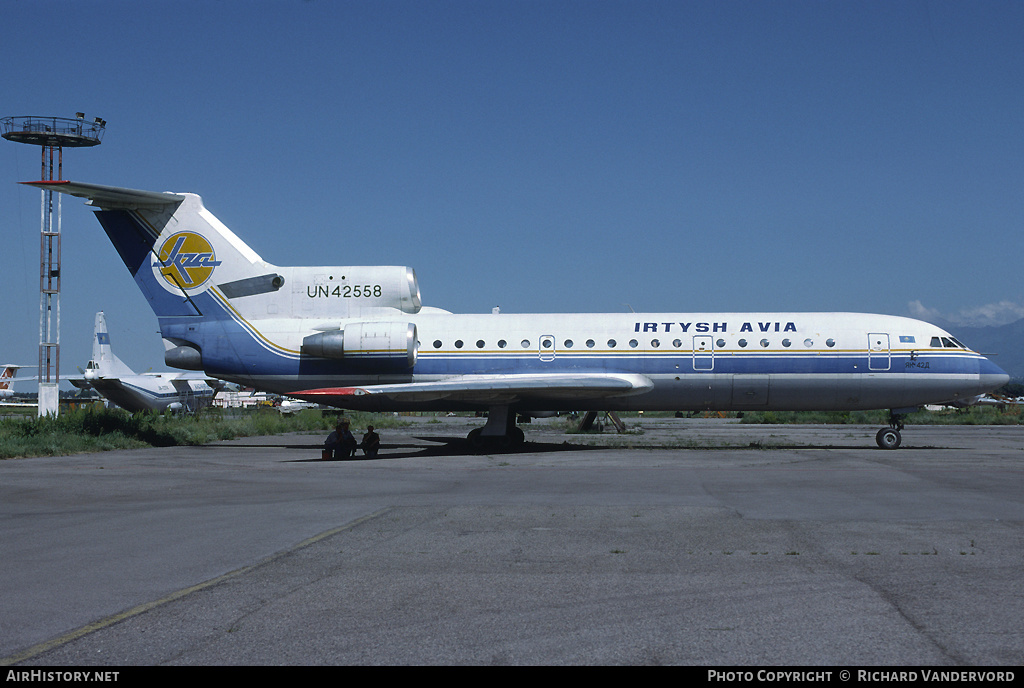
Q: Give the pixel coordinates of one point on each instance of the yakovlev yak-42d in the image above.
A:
(359, 338)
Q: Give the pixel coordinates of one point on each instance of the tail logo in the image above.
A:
(187, 260)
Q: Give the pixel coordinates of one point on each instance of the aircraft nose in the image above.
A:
(992, 377)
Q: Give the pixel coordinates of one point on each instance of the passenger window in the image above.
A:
(611, 343)
(479, 343)
(502, 343)
(458, 343)
(590, 343)
(742, 343)
(437, 343)
(830, 343)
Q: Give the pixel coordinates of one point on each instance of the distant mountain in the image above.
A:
(1003, 344)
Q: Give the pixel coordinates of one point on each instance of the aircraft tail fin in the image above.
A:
(213, 294)
(104, 363)
(7, 375)
(181, 256)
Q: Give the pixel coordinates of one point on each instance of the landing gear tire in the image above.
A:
(888, 438)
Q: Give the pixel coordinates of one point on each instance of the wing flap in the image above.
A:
(492, 389)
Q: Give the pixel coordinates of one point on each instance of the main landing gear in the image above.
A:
(890, 438)
(499, 434)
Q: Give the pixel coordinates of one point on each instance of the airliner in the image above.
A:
(115, 381)
(359, 337)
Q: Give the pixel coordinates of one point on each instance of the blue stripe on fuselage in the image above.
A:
(809, 363)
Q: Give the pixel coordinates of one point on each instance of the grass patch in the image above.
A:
(91, 429)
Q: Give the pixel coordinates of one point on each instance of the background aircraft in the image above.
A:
(360, 338)
(288, 406)
(113, 379)
(6, 378)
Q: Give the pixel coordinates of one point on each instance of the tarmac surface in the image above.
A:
(683, 541)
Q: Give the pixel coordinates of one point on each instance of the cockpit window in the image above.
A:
(946, 343)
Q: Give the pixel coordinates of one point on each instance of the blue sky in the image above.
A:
(540, 155)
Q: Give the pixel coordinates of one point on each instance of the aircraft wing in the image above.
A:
(492, 389)
(110, 196)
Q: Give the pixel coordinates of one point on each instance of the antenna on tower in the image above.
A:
(52, 135)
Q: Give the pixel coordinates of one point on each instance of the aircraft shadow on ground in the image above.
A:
(442, 447)
(460, 446)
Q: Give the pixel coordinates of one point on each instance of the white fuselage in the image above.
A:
(722, 361)
(152, 392)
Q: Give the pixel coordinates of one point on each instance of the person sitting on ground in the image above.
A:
(342, 442)
(371, 442)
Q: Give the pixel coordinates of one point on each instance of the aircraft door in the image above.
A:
(703, 352)
(546, 347)
(878, 351)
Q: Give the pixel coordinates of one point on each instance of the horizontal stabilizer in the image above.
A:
(110, 196)
(111, 388)
(493, 388)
